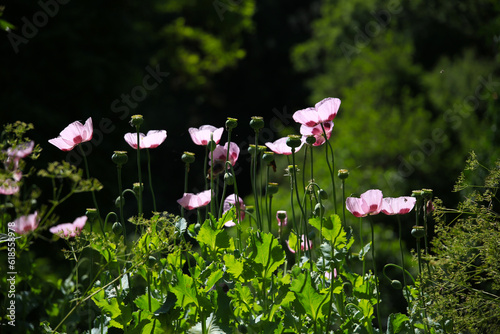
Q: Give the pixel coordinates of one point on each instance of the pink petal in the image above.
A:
(284, 221)
(201, 136)
(327, 109)
(25, 224)
(317, 132)
(131, 139)
(356, 206)
(192, 201)
(280, 147)
(229, 202)
(9, 187)
(307, 117)
(398, 206)
(154, 138)
(373, 199)
(61, 144)
(21, 151)
(79, 222)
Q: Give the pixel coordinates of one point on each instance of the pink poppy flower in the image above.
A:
(69, 230)
(303, 245)
(229, 202)
(369, 203)
(9, 187)
(323, 111)
(152, 140)
(220, 153)
(20, 151)
(280, 146)
(73, 134)
(201, 136)
(192, 201)
(25, 224)
(398, 206)
(284, 218)
(317, 132)
(328, 274)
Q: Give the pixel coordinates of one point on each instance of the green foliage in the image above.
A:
(463, 284)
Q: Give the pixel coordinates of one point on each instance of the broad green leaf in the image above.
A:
(366, 307)
(308, 296)
(268, 252)
(213, 279)
(184, 290)
(120, 314)
(364, 251)
(397, 324)
(292, 241)
(333, 231)
(142, 302)
(212, 237)
(233, 266)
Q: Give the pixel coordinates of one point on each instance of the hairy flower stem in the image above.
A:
(139, 201)
(93, 192)
(330, 167)
(344, 222)
(254, 181)
(306, 237)
(150, 180)
(225, 169)
(292, 172)
(376, 276)
(120, 189)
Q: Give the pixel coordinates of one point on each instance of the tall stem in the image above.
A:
(139, 202)
(376, 276)
(150, 180)
(330, 167)
(93, 192)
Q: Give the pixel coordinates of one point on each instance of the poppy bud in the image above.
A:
(322, 194)
(257, 123)
(117, 228)
(228, 178)
(151, 261)
(137, 120)
(231, 123)
(293, 141)
(396, 284)
(120, 201)
(187, 157)
(119, 158)
(319, 209)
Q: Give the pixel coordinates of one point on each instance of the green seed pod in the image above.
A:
(396, 284)
(257, 123)
(293, 141)
(117, 228)
(187, 157)
(417, 193)
(137, 120)
(268, 156)
(322, 194)
(418, 232)
(119, 157)
(91, 214)
(343, 174)
(231, 123)
(251, 149)
(272, 188)
(310, 139)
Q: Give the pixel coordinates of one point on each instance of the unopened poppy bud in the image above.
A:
(257, 123)
(231, 123)
(396, 284)
(151, 261)
(211, 145)
(187, 157)
(319, 209)
(119, 157)
(343, 174)
(272, 188)
(418, 232)
(120, 201)
(322, 194)
(137, 120)
(91, 214)
(281, 214)
(117, 228)
(293, 141)
(310, 140)
(429, 207)
(228, 178)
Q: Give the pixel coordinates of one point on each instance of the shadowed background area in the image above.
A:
(418, 81)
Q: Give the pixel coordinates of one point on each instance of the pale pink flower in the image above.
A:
(220, 153)
(303, 245)
(192, 201)
(317, 132)
(323, 111)
(369, 203)
(152, 140)
(69, 230)
(21, 150)
(284, 221)
(201, 136)
(25, 224)
(9, 187)
(328, 274)
(398, 206)
(280, 147)
(229, 202)
(73, 134)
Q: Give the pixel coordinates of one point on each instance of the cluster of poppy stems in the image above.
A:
(315, 122)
